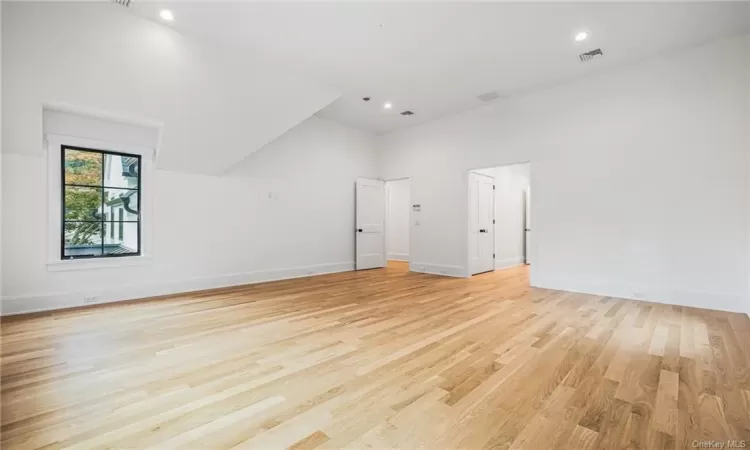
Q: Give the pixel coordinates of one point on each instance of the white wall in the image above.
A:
(397, 219)
(218, 103)
(288, 210)
(639, 178)
(511, 183)
(640, 175)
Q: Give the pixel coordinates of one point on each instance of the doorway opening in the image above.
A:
(499, 217)
(382, 223)
(398, 222)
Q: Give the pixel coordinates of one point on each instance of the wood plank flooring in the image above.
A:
(377, 359)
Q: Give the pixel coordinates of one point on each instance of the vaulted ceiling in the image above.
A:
(434, 58)
(227, 78)
(216, 105)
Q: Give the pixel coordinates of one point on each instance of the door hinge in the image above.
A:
(493, 220)
(493, 255)
(493, 187)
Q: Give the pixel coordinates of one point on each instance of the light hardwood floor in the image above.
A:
(377, 359)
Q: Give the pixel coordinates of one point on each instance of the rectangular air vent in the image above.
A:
(488, 96)
(588, 56)
(125, 3)
(407, 113)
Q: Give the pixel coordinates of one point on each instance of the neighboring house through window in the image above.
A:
(93, 182)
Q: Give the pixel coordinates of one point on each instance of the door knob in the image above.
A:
(359, 230)
(483, 231)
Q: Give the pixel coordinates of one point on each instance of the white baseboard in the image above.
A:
(398, 256)
(438, 269)
(508, 262)
(51, 301)
(692, 299)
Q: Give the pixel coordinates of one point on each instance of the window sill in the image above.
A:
(89, 264)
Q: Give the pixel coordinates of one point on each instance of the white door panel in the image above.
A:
(370, 222)
(481, 227)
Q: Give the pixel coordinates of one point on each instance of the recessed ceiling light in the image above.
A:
(387, 105)
(166, 15)
(581, 36)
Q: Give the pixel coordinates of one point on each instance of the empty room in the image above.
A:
(349, 225)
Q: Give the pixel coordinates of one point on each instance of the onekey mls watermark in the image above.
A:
(741, 443)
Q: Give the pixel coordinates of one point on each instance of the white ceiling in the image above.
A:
(435, 58)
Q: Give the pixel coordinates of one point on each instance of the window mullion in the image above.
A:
(140, 207)
(101, 214)
(62, 202)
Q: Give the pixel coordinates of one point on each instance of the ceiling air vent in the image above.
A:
(488, 96)
(588, 56)
(407, 113)
(125, 3)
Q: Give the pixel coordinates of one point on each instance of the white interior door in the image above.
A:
(370, 222)
(481, 229)
(527, 230)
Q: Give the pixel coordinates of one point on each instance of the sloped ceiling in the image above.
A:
(217, 104)
(435, 57)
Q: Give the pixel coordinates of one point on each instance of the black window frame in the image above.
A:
(103, 188)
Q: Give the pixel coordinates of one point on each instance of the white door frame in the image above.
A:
(527, 224)
(387, 216)
(530, 254)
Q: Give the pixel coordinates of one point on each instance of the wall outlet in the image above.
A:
(91, 299)
(638, 295)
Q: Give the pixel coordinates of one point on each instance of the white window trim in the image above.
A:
(53, 144)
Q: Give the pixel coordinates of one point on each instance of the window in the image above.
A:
(92, 182)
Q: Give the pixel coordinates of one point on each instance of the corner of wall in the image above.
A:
(508, 262)
(438, 269)
(691, 299)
